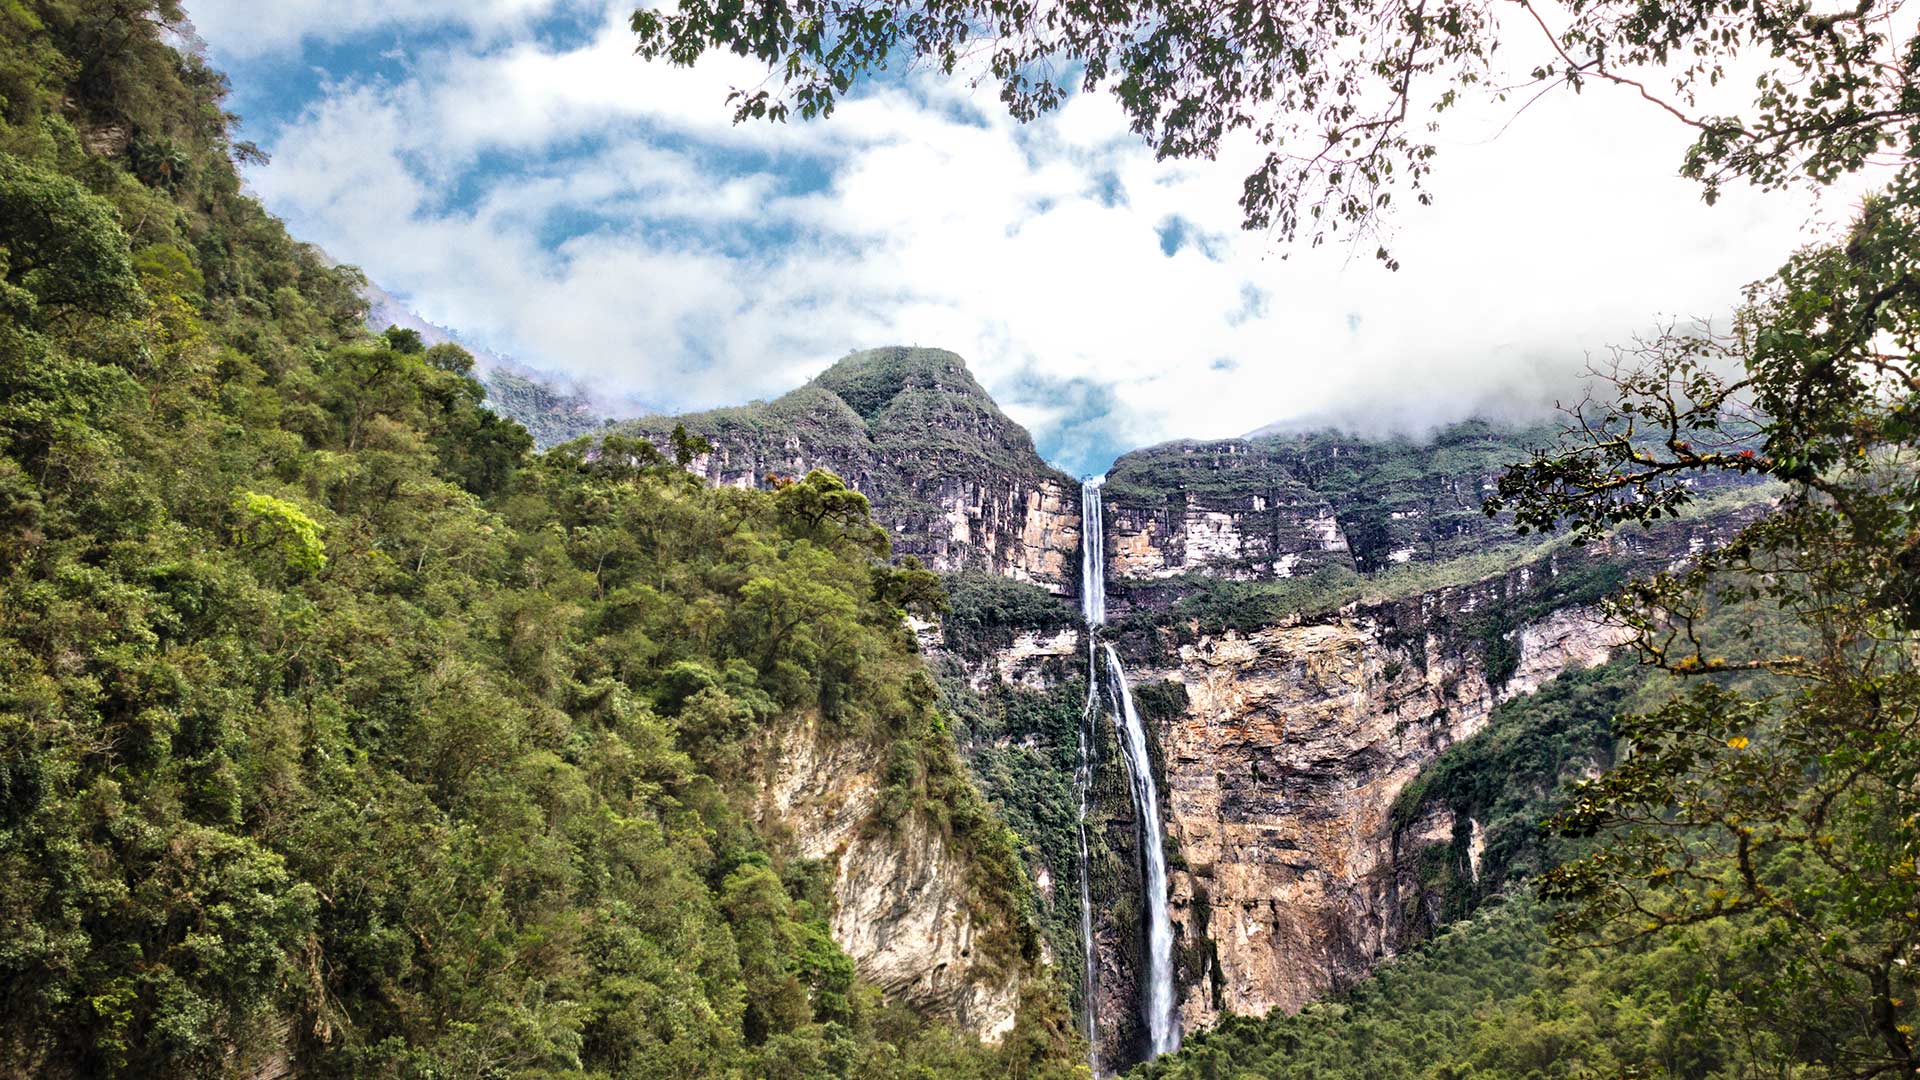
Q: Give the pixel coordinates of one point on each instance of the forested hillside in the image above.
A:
(342, 736)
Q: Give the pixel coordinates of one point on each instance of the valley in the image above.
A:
(1310, 622)
(376, 707)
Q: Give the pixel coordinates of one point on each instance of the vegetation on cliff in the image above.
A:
(1501, 784)
(1492, 998)
(335, 724)
(1739, 869)
(986, 611)
(901, 413)
(1020, 746)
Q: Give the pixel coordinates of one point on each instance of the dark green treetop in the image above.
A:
(1345, 96)
(1779, 793)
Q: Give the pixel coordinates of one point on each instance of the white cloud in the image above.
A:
(243, 28)
(704, 276)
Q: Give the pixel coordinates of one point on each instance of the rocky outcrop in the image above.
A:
(1279, 533)
(1569, 638)
(901, 894)
(1031, 660)
(954, 481)
(1025, 527)
(1281, 777)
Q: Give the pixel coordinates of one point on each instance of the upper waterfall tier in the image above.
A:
(1093, 553)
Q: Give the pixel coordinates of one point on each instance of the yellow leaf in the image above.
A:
(1738, 742)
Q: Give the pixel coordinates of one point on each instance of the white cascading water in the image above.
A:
(1089, 963)
(1156, 1004)
(1093, 553)
(1093, 605)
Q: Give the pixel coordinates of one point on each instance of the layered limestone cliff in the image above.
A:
(1287, 506)
(901, 895)
(1281, 776)
(1292, 742)
(954, 481)
(1279, 532)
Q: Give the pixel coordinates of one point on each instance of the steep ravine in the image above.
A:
(1285, 747)
(1280, 751)
(901, 894)
(1282, 720)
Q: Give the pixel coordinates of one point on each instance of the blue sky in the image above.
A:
(513, 172)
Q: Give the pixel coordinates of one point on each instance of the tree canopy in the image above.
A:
(339, 732)
(1345, 96)
(1778, 792)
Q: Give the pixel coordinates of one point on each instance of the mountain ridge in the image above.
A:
(955, 482)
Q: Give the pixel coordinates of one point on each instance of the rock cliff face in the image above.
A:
(1287, 505)
(900, 893)
(954, 480)
(1281, 776)
(1282, 749)
(1284, 763)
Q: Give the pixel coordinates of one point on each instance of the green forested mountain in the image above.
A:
(341, 736)
(344, 735)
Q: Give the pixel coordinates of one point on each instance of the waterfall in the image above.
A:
(1089, 962)
(1093, 554)
(1156, 1001)
(1093, 604)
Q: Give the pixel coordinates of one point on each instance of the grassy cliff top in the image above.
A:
(870, 381)
(1329, 461)
(902, 404)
